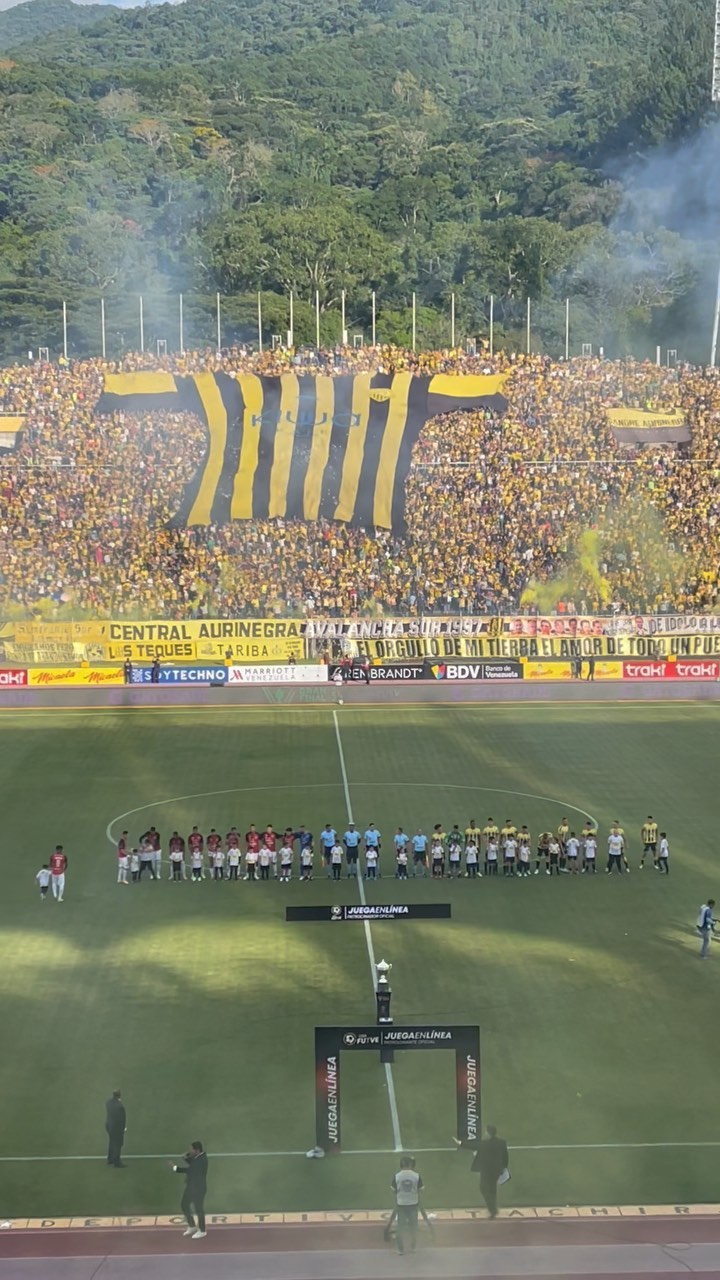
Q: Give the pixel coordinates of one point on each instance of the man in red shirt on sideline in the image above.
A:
(58, 867)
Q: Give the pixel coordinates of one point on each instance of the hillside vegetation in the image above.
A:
(433, 147)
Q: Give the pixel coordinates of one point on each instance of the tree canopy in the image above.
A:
(432, 148)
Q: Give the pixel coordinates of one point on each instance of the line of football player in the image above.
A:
(269, 854)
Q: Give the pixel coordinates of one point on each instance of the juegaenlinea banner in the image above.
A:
(372, 911)
(332, 1042)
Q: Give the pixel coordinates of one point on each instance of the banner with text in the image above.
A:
(181, 675)
(447, 648)
(66, 677)
(332, 1042)
(278, 675)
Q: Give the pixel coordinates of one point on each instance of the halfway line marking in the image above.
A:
(397, 1139)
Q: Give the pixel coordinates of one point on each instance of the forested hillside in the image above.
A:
(44, 17)
(435, 147)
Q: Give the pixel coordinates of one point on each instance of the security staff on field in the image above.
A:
(194, 1165)
(491, 1162)
(115, 1126)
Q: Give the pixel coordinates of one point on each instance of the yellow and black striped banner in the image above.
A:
(299, 446)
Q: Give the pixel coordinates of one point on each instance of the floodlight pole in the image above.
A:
(374, 317)
(716, 320)
(182, 325)
(715, 97)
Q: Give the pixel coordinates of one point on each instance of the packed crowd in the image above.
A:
(494, 505)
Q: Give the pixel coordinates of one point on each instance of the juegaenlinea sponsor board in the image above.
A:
(332, 1042)
(371, 912)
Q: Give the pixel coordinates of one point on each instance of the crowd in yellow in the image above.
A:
(493, 504)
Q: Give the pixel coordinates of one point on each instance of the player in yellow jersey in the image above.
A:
(491, 833)
(617, 830)
(508, 832)
(649, 837)
(473, 834)
(563, 835)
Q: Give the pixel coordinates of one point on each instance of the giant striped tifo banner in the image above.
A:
(300, 446)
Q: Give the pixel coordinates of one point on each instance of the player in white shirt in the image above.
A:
(197, 869)
(572, 850)
(471, 860)
(177, 864)
(218, 861)
(663, 854)
(306, 862)
(336, 857)
(233, 862)
(509, 856)
(590, 854)
(286, 860)
(554, 852)
(134, 865)
(401, 861)
(43, 879)
(523, 868)
(616, 844)
(264, 860)
(371, 861)
(455, 859)
(491, 859)
(251, 861)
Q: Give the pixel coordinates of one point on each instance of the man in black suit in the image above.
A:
(194, 1165)
(491, 1161)
(115, 1125)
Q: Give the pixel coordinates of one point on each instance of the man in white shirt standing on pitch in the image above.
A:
(407, 1185)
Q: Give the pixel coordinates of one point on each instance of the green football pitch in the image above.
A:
(599, 1025)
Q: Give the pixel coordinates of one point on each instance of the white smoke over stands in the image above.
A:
(661, 246)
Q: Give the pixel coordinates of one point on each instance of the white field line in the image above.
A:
(397, 1139)
(377, 1151)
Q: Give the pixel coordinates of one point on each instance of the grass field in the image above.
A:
(598, 1023)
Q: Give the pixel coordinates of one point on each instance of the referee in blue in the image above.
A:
(328, 837)
(372, 841)
(351, 840)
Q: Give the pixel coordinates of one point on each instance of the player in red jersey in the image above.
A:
(176, 849)
(252, 839)
(151, 841)
(287, 852)
(123, 857)
(270, 842)
(196, 846)
(58, 867)
(214, 846)
(232, 841)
